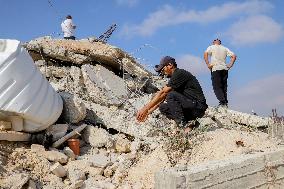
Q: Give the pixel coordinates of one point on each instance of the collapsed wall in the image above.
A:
(265, 170)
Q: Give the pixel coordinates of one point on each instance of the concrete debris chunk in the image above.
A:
(57, 131)
(76, 170)
(103, 85)
(58, 170)
(92, 183)
(100, 160)
(55, 156)
(97, 137)
(17, 123)
(14, 136)
(37, 148)
(239, 117)
(122, 145)
(78, 184)
(83, 52)
(68, 152)
(74, 109)
(5, 125)
(16, 181)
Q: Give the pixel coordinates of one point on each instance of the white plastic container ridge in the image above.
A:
(24, 91)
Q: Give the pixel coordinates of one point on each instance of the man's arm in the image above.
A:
(207, 60)
(153, 104)
(232, 61)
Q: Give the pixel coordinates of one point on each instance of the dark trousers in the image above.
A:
(71, 37)
(219, 81)
(181, 108)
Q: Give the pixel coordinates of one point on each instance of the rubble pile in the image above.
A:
(102, 89)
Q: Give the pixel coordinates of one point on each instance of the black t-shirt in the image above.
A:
(185, 83)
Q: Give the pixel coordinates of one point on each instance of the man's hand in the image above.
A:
(229, 66)
(142, 114)
(210, 66)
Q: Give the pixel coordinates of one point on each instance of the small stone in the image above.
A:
(99, 160)
(68, 152)
(122, 145)
(58, 170)
(76, 185)
(37, 148)
(108, 172)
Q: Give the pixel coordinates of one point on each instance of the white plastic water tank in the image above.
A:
(24, 91)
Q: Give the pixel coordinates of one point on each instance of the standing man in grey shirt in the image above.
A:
(219, 69)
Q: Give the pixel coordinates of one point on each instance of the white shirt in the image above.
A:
(218, 55)
(68, 28)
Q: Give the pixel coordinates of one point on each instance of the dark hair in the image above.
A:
(69, 16)
(217, 40)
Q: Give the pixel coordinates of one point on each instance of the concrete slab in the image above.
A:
(262, 170)
(104, 85)
(14, 136)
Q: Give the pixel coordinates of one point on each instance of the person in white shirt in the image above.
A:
(68, 28)
(219, 69)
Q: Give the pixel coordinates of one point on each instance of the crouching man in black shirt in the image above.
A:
(183, 94)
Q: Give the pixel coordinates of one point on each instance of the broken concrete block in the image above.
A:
(99, 160)
(97, 137)
(57, 131)
(5, 125)
(135, 146)
(76, 185)
(17, 123)
(74, 109)
(68, 152)
(122, 145)
(81, 52)
(74, 175)
(103, 85)
(93, 171)
(239, 117)
(37, 148)
(55, 156)
(58, 170)
(16, 181)
(32, 185)
(14, 136)
(76, 170)
(92, 183)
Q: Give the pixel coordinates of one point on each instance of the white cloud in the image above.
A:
(255, 29)
(129, 3)
(260, 95)
(192, 63)
(168, 16)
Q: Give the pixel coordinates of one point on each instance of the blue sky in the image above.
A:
(253, 29)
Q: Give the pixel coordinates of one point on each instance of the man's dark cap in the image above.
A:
(166, 60)
(69, 16)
